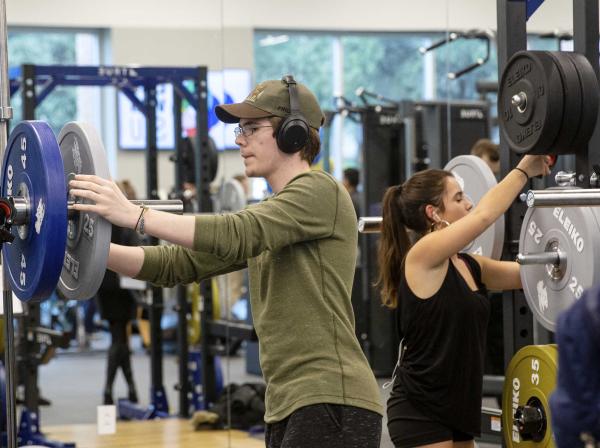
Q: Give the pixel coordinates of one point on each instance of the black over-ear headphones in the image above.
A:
(293, 132)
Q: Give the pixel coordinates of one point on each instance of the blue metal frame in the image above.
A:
(125, 79)
(29, 433)
(36, 82)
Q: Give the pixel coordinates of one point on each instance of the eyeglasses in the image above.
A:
(247, 131)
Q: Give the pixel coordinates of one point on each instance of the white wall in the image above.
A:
(178, 47)
(115, 13)
(218, 33)
(391, 15)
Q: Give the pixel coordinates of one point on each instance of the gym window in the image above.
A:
(57, 47)
(389, 64)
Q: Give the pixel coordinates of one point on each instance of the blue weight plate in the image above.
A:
(33, 169)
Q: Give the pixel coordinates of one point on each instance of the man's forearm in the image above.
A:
(175, 229)
(125, 260)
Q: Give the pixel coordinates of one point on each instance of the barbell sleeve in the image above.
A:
(369, 224)
(563, 198)
(170, 206)
(22, 207)
(551, 257)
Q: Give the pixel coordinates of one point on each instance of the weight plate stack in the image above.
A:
(572, 103)
(548, 102)
(590, 101)
(530, 102)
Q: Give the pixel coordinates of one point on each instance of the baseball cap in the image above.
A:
(272, 98)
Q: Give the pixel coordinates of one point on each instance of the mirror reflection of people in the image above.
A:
(489, 152)
(233, 284)
(351, 179)
(441, 301)
(118, 307)
(300, 249)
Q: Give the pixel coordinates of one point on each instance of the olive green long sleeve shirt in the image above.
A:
(300, 249)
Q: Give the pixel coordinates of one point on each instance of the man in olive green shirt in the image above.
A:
(300, 249)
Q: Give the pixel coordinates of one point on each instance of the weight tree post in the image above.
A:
(9, 354)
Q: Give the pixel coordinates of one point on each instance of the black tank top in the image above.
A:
(441, 371)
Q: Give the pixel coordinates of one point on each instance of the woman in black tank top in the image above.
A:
(441, 301)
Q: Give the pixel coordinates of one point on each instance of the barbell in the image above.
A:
(45, 243)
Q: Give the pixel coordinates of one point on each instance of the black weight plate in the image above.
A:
(589, 113)
(533, 129)
(572, 103)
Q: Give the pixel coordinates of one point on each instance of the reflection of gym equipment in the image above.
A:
(84, 245)
(184, 160)
(475, 178)
(486, 36)
(126, 79)
(196, 164)
(216, 330)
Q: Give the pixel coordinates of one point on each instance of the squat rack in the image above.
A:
(38, 81)
(512, 19)
(512, 37)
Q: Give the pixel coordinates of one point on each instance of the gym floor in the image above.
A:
(73, 381)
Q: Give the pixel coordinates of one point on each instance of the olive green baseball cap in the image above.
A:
(272, 98)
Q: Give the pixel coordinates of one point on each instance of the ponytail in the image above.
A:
(393, 246)
(404, 210)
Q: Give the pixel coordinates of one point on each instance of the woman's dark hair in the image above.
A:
(403, 210)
